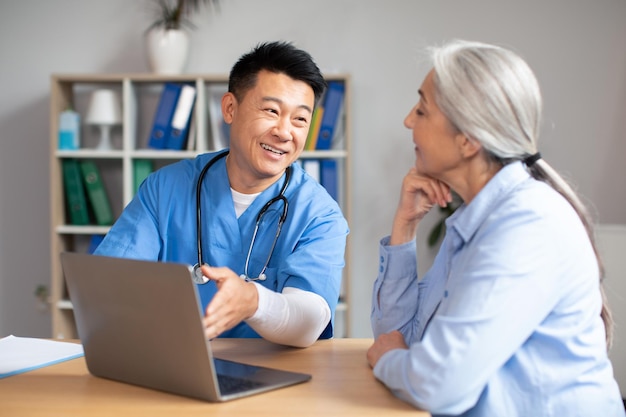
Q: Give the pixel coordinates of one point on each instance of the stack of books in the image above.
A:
(327, 118)
(324, 134)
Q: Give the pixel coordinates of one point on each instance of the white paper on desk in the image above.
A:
(23, 354)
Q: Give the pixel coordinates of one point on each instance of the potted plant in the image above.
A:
(167, 38)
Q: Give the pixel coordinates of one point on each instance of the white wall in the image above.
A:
(576, 48)
(612, 243)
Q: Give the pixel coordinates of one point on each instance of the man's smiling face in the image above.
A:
(268, 131)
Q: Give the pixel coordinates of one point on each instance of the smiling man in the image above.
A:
(271, 239)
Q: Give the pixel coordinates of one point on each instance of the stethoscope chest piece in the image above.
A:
(198, 276)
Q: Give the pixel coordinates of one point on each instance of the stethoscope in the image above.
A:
(198, 278)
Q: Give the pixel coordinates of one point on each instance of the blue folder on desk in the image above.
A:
(140, 323)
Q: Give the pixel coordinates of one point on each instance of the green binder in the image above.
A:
(141, 169)
(96, 193)
(75, 200)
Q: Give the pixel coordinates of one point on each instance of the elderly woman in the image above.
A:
(510, 320)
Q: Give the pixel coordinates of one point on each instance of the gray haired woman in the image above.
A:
(511, 319)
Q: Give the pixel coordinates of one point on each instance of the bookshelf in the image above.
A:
(139, 95)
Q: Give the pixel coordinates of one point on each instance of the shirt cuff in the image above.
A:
(397, 261)
(391, 367)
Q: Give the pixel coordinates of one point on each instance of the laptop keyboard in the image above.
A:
(230, 384)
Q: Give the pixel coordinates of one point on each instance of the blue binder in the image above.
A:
(181, 119)
(161, 124)
(328, 177)
(333, 102)
(94, 242)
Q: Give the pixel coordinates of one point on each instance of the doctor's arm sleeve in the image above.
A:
(294, 317)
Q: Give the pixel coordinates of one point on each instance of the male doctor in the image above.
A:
(279, 283)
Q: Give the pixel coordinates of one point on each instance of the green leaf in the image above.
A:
(436, 233)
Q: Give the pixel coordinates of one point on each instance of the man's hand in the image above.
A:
(383, 344)
(235, 301)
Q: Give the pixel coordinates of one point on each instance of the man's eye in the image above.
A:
(419, 112)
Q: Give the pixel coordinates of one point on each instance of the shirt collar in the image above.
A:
(467, 218)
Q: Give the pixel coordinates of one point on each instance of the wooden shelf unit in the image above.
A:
(139, 95)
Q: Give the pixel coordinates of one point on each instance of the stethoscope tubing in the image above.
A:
(280, 197)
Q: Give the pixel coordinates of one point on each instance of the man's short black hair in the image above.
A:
(276, 57)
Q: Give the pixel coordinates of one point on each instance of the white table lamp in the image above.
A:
(104, 111)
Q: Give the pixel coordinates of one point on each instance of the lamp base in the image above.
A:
(105, 138)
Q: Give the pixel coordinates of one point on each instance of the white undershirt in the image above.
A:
(294, 317)
(242, 201)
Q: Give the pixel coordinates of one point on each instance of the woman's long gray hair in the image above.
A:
(491, 95)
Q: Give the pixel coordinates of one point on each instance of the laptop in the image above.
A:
(140, 322)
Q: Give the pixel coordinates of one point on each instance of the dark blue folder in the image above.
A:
(161, 124)
(333, 102)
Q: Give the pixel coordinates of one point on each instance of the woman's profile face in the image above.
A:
(435, 138)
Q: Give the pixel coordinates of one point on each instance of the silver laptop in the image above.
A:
(141, 323)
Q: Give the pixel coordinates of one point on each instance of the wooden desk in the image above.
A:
(342, 385)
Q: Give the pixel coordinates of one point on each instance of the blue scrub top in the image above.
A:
(159, 224)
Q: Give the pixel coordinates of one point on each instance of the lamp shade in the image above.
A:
(104, 108)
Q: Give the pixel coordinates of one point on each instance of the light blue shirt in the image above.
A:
(507, 320)
(159, 224)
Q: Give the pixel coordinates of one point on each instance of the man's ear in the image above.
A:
(229, 105)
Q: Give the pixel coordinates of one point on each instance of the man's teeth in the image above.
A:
(269, 148)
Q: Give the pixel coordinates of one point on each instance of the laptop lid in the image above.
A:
(140, 322)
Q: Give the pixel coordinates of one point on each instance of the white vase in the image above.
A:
(167, 50)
